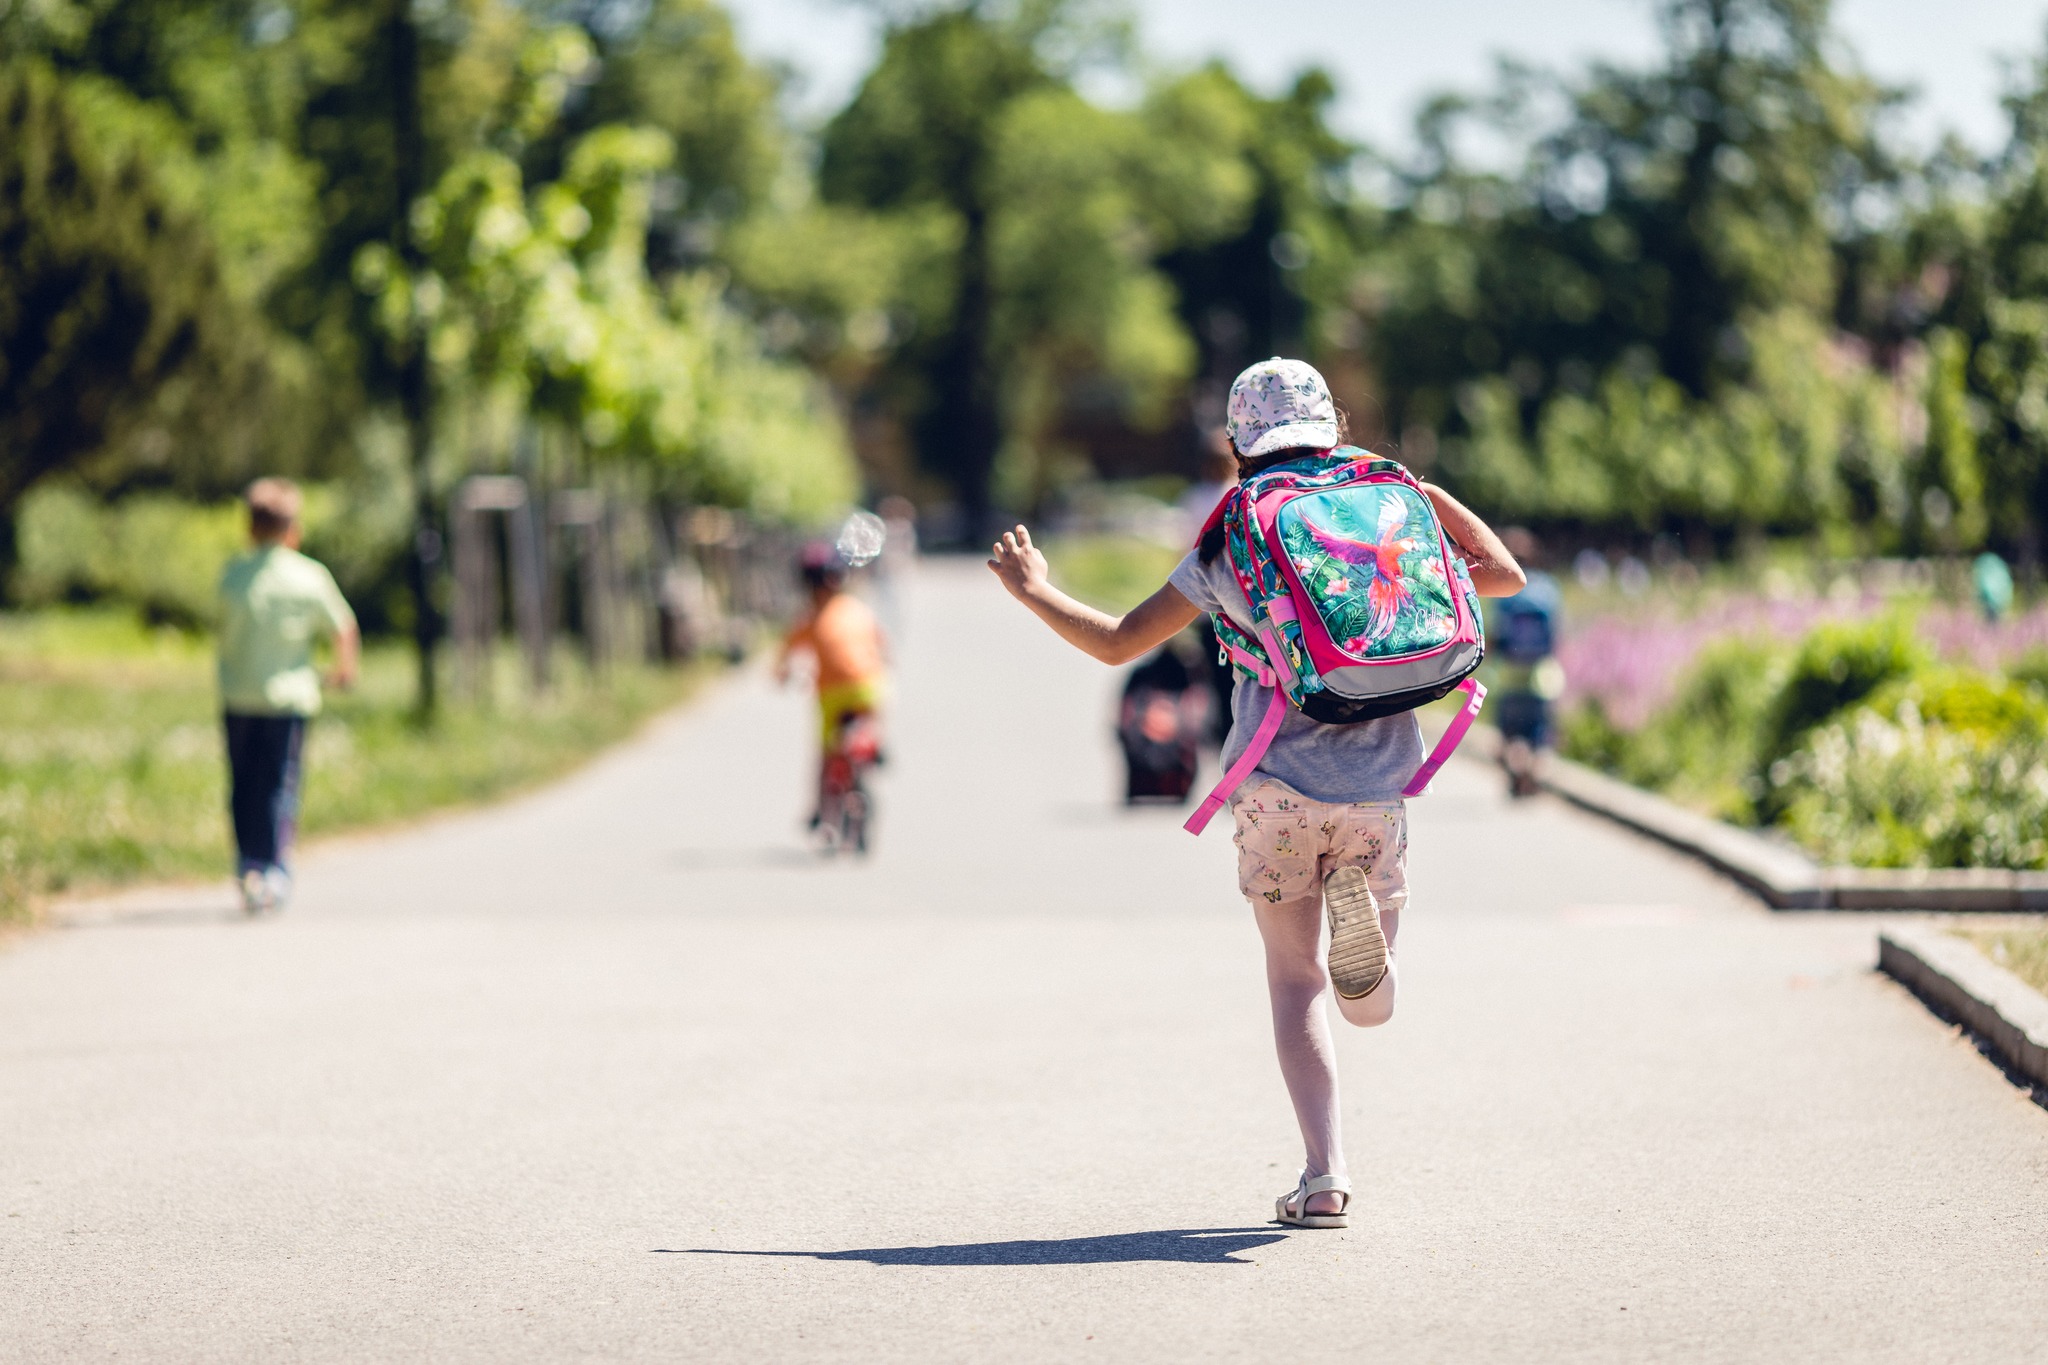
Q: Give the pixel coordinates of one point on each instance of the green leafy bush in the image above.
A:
(160, 554)
(1901, 790)
(163, 555)
(1837, 665)
(1855, 743)
(1704, 747)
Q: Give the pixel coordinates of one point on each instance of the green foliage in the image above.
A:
(1079, 243)
(1950, 491)
(209, 213)
(125, 344)
(2012, 370)
(548, 297)
(1706, 301)
(2032, 670)
(1983, 706)
(157, 553)
(1815, 433)
(1907, 791)
(680, 70)
(1665, 208)
(1114, 573)
(1836, 666)
(1709, 297)
(1854, 743)
(163, 555)
(1706, 746)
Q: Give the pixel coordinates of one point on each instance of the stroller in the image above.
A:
(1161, 723)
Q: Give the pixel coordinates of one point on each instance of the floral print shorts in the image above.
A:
(1287, 844)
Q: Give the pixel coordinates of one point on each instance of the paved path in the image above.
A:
(617, 1073)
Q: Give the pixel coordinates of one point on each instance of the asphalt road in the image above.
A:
(619, 1072)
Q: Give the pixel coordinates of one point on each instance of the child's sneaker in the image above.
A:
(255, 892)
(1358, 950)
(277, 886)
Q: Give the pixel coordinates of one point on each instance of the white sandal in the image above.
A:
(1300, 1217)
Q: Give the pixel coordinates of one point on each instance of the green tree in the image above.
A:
(1279, 273)
(1682, 227)
(920, 132)
(122, 340)
(676, 65)
(2010, 367)
(1950, 488)
(1059, 265)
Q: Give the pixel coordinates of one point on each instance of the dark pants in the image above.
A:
(1525, 716)
(263, 786)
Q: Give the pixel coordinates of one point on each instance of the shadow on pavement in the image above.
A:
(1188, 1246)
(781, 855)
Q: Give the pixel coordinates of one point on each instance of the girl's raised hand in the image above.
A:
(1018, 563)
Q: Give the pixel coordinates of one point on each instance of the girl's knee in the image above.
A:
(1297, 981)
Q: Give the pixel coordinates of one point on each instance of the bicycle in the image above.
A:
(845, 806)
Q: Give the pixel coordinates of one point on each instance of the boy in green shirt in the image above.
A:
(275, 604)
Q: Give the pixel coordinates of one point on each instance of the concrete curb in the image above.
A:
(1785, 878)
(1960, 983)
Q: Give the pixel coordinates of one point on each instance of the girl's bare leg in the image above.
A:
(1296, 980)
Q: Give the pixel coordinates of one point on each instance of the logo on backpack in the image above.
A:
(1360, 609)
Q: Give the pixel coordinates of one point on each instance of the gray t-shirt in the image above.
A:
(1369, 761)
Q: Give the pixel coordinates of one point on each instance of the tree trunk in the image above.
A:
(962, 432)
(415, 382)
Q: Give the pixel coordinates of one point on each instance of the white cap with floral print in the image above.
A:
(1278, 404)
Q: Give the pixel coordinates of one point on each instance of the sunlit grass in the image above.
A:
(1114, 573)
(2021, 950)
(111, 768)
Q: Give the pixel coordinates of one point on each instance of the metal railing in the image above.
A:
(621, 578)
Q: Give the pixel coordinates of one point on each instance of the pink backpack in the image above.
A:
(1359, 607)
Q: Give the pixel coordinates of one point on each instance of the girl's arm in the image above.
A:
(1112, 639)
(1494, 571)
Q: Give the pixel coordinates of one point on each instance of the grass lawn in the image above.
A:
(2021, 950)
(1114, 573)
(110, 752)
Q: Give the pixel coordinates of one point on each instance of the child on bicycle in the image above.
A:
(848, 653)
(1323, 800)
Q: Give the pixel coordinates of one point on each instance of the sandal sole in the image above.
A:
(1358, 949)
(1317, 1220)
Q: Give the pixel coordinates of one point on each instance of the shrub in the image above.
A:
(2032, 670)
(1900, 791)
(1853, 742)
(1836, 666)
(1703, 745)
(1981, 705)
(159, 554)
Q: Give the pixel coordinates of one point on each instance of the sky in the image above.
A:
(1387, 55)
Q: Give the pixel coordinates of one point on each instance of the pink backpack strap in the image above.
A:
(1240, 770)
(1454, 733)
(1250, 663)
(1262, 739)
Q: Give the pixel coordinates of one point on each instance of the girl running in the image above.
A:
(1325, 799)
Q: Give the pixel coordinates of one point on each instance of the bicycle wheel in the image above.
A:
(853, 821)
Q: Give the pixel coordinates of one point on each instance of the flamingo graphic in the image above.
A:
(1386, 594)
